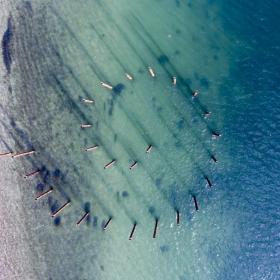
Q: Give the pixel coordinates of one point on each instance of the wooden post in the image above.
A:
(152, 72)
(208, 181)
(195, 202)
(133, 165)
(91, 148)
(149, 149)
(129, 77)
(177, 217)
(60, 209)
(155, 228)
(106, 86)
(110, 164)
(132, 231)
(174, 81)
(87, 100)
(44, 193)
(214, 158)
(106, 225)
(22, 154)
(83, 218)
(86, 125)
(6, 154)
(32, 174)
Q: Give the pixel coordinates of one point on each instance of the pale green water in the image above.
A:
(71, 47)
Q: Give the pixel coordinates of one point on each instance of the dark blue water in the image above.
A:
(253, 138)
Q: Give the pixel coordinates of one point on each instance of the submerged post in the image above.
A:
(177, 217)
(208, 181)
(106, 86)
(22, 154)
(152, 72)
(149, 149)
(132, 231)
(107, 223)
(129, 77)
(91, 148)
(195, 202)
(54, 214)
(155, 228)
(85, 100)
(44, 193)
(82, 218)
(86, 125)
(133, 165)
(195, 93)
(32, 174)
(214, 158)
(206, 114)
(215, 135)
(110, 164)
(6, 154)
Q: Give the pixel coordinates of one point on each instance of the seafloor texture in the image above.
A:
(55, 54)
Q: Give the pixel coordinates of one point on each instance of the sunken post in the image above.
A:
(132, 231)
(82, 218)
(41, 195)
(22, 154)
(195, 202)
(107, 223)
(155, 228)
(110, 164)
(59, 210)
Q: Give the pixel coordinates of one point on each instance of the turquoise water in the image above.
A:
(57, 53)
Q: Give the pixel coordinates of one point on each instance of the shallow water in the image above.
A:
(60, 52)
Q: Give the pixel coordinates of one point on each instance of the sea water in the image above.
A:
(60, 53)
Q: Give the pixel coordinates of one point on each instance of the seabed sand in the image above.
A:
(18, 258)
(63, 50)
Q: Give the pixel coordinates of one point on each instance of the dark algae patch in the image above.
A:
(6, 45)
